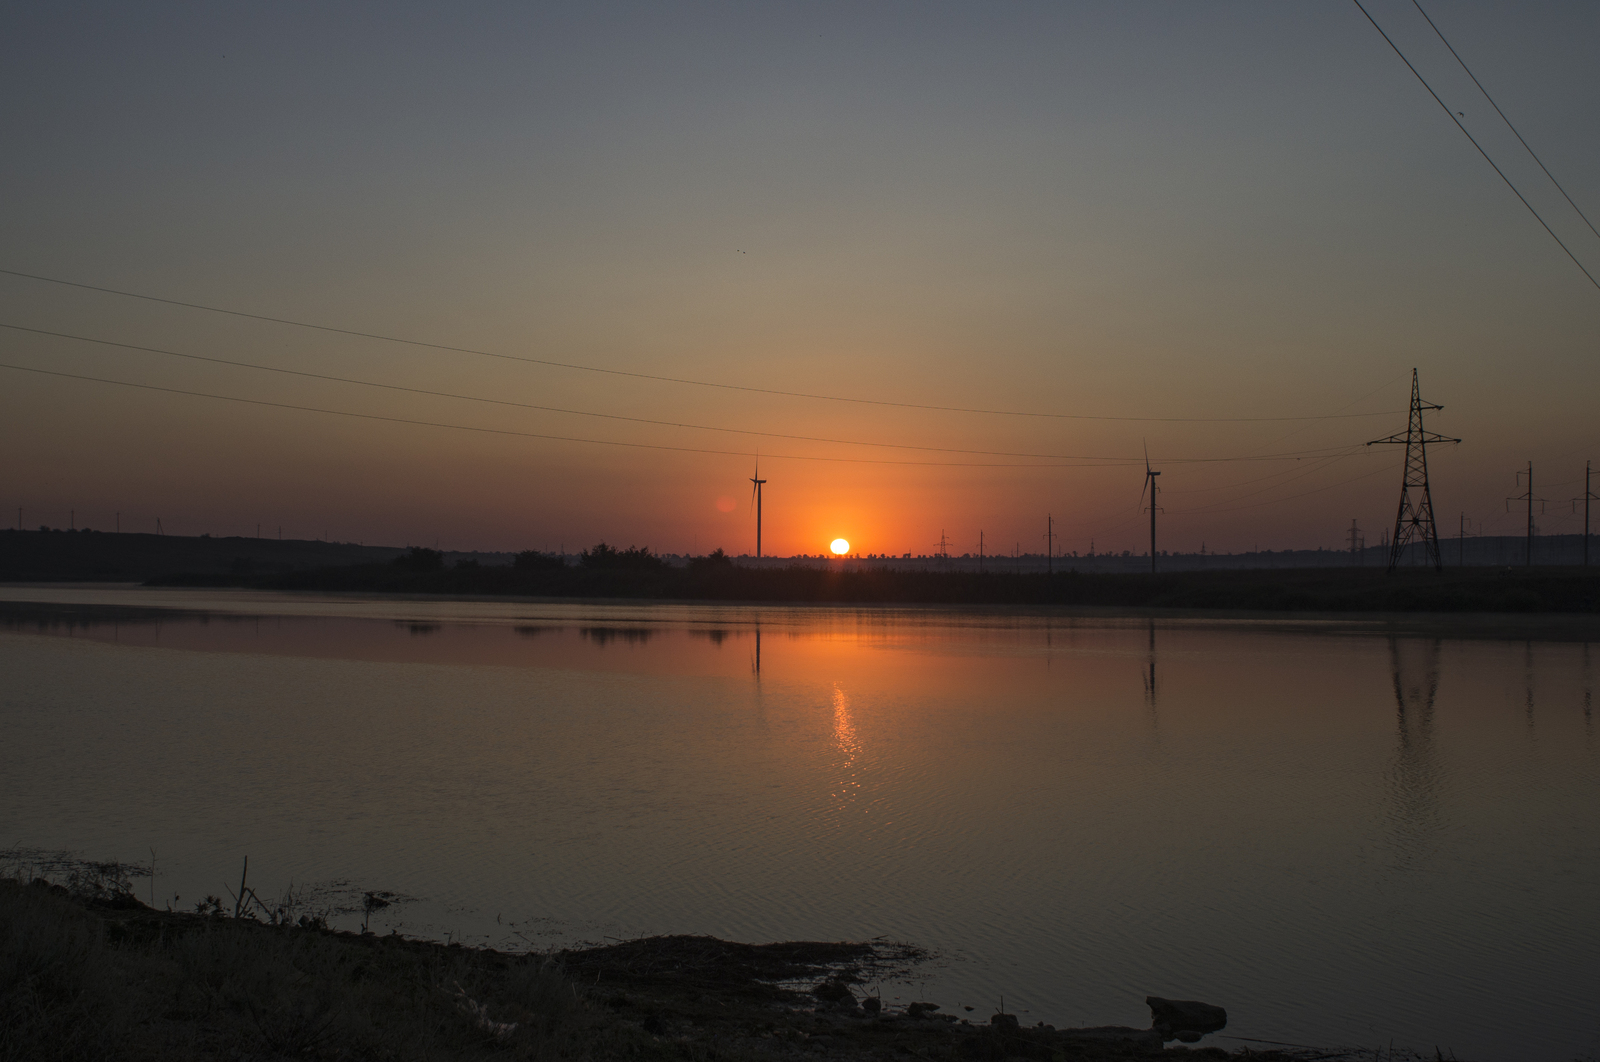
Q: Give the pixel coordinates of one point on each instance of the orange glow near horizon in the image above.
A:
(839, 546)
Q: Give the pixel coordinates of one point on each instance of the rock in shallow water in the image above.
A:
(1184, 1019)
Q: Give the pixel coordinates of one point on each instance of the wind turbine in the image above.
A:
(1150, 485)
(755, 492)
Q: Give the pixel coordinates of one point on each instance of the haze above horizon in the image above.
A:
(944, 268)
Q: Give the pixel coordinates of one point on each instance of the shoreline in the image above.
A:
(33, 611)
(117, 979)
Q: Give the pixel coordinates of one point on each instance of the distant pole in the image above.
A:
(980, 550)
(258, 530)
(1049, 544)
(1588, 496)
(1357, 543)
(158, 526)
(1530, 499)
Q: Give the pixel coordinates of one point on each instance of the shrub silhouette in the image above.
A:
(634, 557)
(713, 561)
(420, 559)
(532, 560)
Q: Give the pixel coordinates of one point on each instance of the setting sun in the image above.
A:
(840, 546)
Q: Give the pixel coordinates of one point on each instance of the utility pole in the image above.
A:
(1413, 521)
(1588, 496)
(1530, 499)
(980, 550)
(1049, 544)
(1357, 543)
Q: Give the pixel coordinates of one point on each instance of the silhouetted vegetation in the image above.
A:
(419, 559)
(87, 971)
(634, 558)
(712, 561)
(531, 560)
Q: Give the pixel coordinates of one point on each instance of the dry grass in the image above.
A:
(88, 972)
(80, 980)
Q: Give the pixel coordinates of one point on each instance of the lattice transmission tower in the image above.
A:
(1413, 521)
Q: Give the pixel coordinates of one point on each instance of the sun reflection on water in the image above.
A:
(849, 746)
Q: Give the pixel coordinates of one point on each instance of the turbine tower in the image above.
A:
(1413, 521)
(755, 492)
(1150, 485)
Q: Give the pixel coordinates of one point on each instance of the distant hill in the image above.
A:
(103, 556)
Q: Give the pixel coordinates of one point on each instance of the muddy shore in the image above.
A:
(97, 973)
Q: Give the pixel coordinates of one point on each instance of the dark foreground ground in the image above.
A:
(1524, 590)
(95, 974)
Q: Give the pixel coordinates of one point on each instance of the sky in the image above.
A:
(948, 269)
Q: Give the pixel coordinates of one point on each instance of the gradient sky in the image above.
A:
(1160, 210)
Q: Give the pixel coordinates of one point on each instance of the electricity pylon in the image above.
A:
(1413, 521)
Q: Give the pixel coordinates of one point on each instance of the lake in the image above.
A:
(1344, 831)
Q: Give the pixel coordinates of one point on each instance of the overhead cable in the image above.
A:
(1506, 120)
(1105, 461)
(666, 379)
(1452, 114)
(566, 438)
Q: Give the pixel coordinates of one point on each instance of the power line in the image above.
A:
(544, 409)
(1485, 154)
(1503, 118)
(558, 438)
(505, 431)
(663, 379)
(1104, 461)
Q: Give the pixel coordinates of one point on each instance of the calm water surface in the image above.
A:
(1344, 834)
